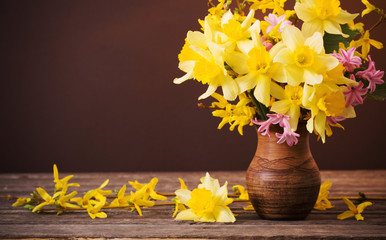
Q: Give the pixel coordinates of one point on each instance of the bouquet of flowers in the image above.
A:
(310, 64)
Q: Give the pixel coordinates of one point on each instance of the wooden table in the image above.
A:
(17, 222)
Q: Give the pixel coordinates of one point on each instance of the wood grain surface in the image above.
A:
(157, 221)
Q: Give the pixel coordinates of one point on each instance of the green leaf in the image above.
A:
(331, 41)
(379, 93)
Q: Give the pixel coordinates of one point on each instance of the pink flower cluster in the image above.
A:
(354, 94)
(348, 59)
(288, 135)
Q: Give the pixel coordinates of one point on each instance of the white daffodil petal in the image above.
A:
(315, 42)
(309, 28)
(223, 214)
(262, 90)
(186, 215)
(247, 82)
(230, 88)
(183, 195)
(237, 61)
(211, 89)
(312, 77)
(196, 38)
(292, 37)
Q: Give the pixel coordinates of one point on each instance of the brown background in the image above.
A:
(88, 85)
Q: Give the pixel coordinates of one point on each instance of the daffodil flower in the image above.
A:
(355, 211)
(150, 189)
(322, 203)
(322, 16)
(60, 183)
(289, 102)
(304, 58)
(207, 203)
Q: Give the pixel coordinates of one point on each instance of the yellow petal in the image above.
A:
(359, 217)
(183, 186)
(223, 214)
(376, 44)
(281, 106)
(186, 215)
(56, 173)
(315, 42)
(309, 28)
(346, 214)
(277, 91)
(350, 205)
(237, 61)
(332, 27)
(100, 215)
(230, 88)
(362, 206)
(104, 184)
(292, 37)
(262, 90)
(43, 194)
(344, 17)
(303, 12)
(183, 195)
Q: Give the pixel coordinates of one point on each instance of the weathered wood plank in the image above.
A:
(157, 221)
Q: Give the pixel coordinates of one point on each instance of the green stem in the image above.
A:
(261, 109)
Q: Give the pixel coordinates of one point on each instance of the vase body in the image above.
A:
(283, 182)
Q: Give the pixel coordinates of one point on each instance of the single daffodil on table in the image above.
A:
(355, 211)
(207, 203)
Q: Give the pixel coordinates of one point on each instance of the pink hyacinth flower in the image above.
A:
(288, 135)
(372, 75)
(266, 44)
(354, 93)
(274, 20)
(335, 120)
(348, 59)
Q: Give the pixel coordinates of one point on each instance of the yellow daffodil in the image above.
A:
(48, 200)
(179, 206)
(21, 202)
(289, 102)
(240, 190)
(60, 183)
(355, 211)
(323, 16)
(122, 199)
(304, 58)
(150, 189)
(140, 199)
(366, 42)
(369, 7)
(322, 203)
(207, 203)
(322, 101)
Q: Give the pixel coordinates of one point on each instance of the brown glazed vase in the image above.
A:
(282, 181)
